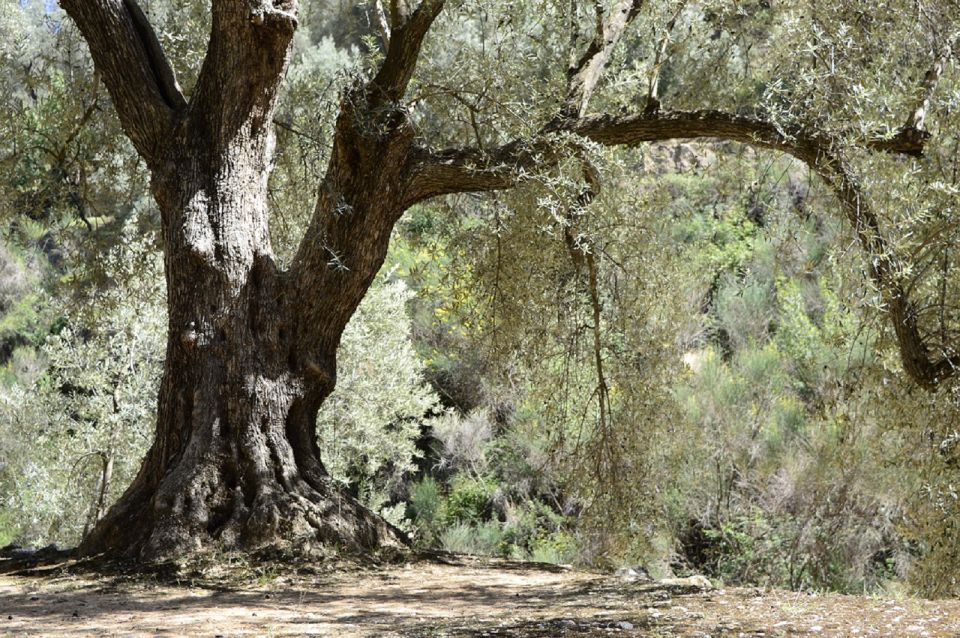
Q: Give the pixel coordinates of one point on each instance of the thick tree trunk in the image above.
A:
(235, 462)
(251, 351)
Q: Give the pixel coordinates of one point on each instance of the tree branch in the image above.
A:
(163, 73)
(243, 68)
(461, 170)
(885, 269)
(379, 19)
(358, 201)
(403, 51)
(916, 119)
(135, 71)
(434, 173)
(585, 74)
(470, 170)
(653, 88)
(913, 136)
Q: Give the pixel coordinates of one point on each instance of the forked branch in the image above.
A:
(243, 68)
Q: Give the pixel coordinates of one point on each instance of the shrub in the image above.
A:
(465, 440)
(557, 548)
(72, 436)
(469, 501)
(424, 508)
(369, 426)
(484, 539)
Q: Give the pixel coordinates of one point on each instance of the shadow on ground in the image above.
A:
(441, 596)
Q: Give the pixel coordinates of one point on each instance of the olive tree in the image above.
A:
(252, 343)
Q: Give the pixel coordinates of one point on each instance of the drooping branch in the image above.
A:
(462, 170)
(885, 269)
(584, 75)
(653, 87)
(138, 76)
(584, 256)
(61, 154)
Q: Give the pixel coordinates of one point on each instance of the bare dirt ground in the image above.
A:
(453, 597)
